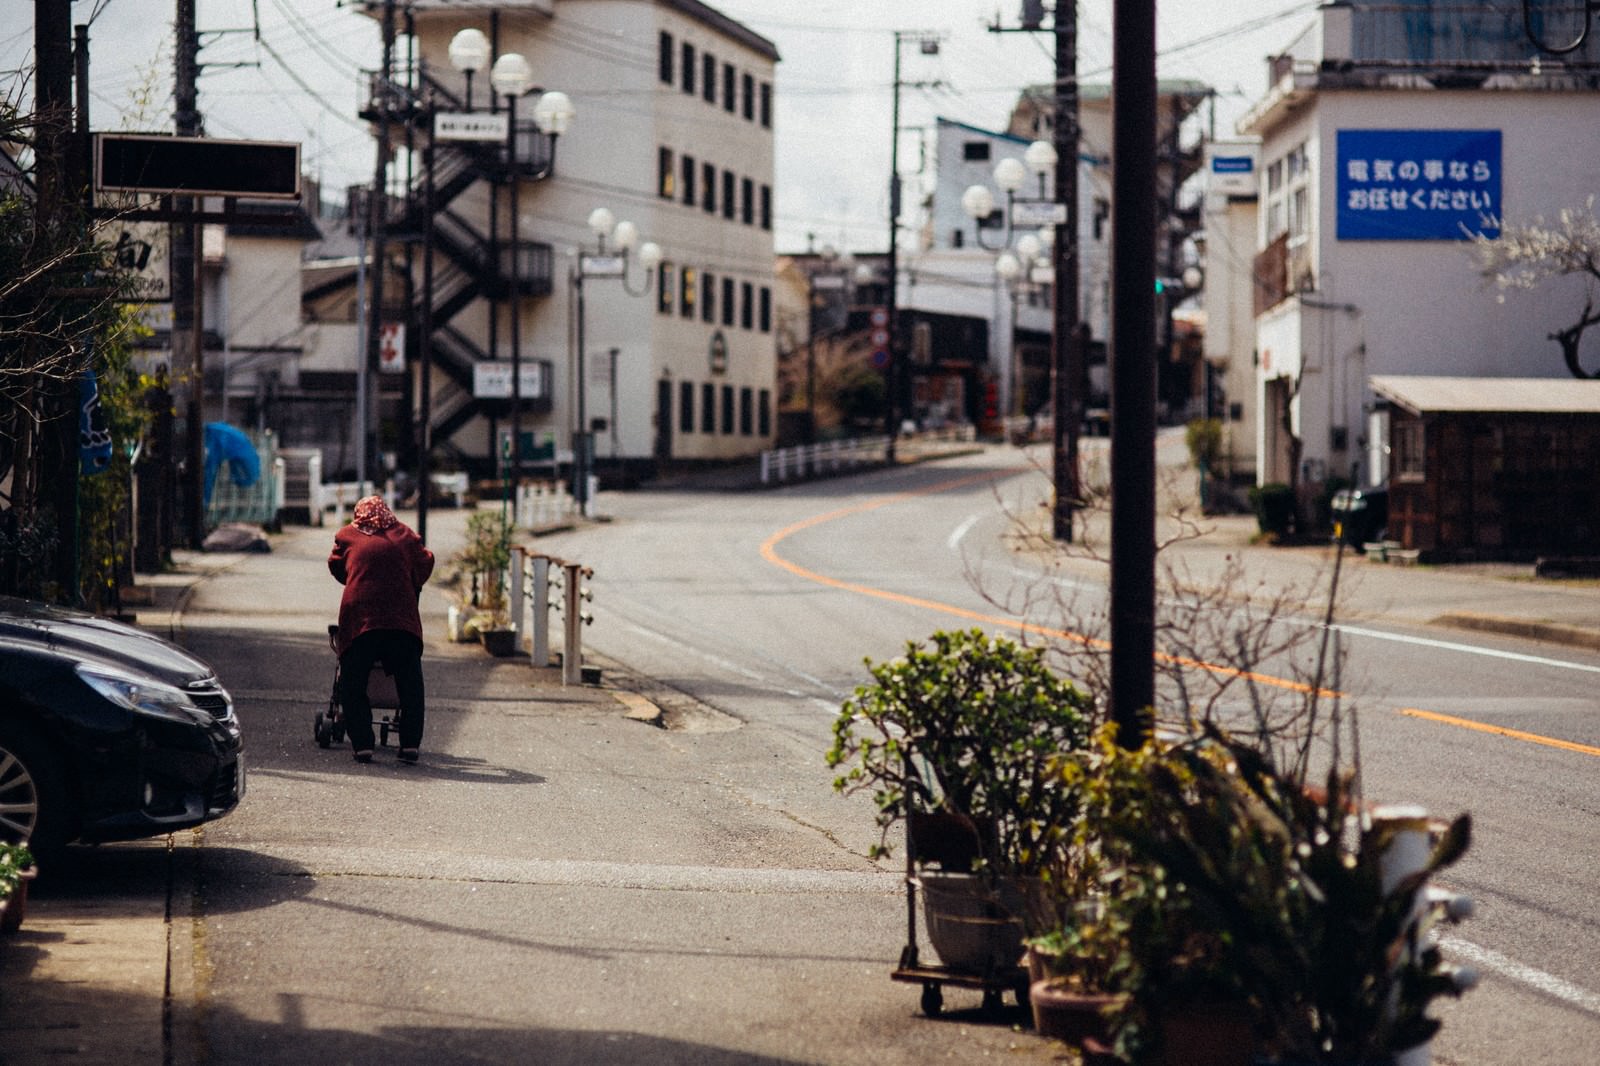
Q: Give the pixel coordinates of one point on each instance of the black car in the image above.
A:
(107, 732)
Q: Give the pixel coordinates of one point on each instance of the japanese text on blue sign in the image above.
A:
(1418, 185)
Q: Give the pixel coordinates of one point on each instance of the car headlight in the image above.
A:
(142, 695)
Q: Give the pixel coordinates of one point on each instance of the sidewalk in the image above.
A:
(95, 977)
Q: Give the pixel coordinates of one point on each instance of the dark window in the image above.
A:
(747, 305)
(749, 97)
(687, 292)
(688, 180)
(729, 78)
(708, 298)
(766, 207)
(688, 68)
(729, 203)
(666, 57)
(727, 408)
(764, 411)
(766, 309)
(685, 407)
(664, 178)
(975, 151)
(708, 190)
(958, 238)
(747, 211)
(708, 77)
(664, 292)
(727, 301)
(708, 408)
(766, 104)
(747, 421)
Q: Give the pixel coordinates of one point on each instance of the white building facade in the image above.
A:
(673, 132)
(1386, 143)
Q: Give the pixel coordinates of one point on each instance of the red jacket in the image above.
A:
(382, 574)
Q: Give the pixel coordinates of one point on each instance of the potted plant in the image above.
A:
(956, 739)
(16, 870)
(1238, 894)
(484, 561)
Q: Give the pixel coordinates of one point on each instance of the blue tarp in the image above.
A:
(225, 443)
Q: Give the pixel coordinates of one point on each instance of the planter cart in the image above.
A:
(987, 973)
(381, 692)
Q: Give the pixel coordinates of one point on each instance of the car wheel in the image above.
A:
(33, 795)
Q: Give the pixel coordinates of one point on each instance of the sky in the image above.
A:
(300, 78)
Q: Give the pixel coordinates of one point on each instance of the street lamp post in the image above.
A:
(623, 237)
(510, 76)
(1049, 212)
(1017, 271)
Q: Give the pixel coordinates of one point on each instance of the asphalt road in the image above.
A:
(762, 606)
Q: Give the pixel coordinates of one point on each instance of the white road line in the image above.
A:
(1472, 649)
(956, 535)
(715, 660)
(1547, 983)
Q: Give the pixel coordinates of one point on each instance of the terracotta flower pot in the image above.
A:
(1071, 1016)
(15, 906)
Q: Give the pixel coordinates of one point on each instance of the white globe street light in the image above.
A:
(553, 113)
(511, 76)
(469, 51)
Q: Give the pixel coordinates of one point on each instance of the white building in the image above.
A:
(1230, 228)
(673, 132)
(1388, 136)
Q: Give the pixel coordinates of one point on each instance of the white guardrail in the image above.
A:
(833, 456)
(533, 577)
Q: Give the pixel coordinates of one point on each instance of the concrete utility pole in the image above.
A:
(188, 325)
(377, 216)
(60, 198)
(1067, 340)
(1133, 370)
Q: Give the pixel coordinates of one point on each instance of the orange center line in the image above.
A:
(1500, 731)
(769, 552)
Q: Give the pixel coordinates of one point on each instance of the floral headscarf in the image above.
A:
(372, 516)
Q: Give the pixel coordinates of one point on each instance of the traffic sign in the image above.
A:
(880, 359)
(392, 348)
(880, 338)
(880, 316)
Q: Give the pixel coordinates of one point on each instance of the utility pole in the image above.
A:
(1133, 370)
(188, 327)
(59, 200)
(1067, 340)
(928, 41)
(377, 217)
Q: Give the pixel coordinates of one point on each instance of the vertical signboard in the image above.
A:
(1418, 185)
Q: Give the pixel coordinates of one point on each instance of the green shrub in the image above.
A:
(1273, 504)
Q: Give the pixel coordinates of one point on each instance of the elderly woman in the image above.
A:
(382, 565)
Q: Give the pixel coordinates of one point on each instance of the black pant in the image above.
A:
(401, 653)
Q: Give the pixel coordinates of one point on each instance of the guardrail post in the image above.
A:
(576, 617)
(540, 649)
(519, 589)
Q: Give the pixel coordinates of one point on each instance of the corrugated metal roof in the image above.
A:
(1425, 395)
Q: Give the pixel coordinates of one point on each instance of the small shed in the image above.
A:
(1493, 468)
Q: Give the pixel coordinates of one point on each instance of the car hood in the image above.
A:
(81, 636)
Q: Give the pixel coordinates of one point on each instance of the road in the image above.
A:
(761, 607)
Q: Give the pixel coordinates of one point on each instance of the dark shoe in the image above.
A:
(364, 756)
(408, 755)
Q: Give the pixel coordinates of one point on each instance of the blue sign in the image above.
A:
(1418, 185)
(1233, 164)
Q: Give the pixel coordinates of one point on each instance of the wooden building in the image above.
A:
(1492, 468)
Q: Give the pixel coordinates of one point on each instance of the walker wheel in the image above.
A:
(383, 735)
(322, 732)
(993, 1001)
(932, 999)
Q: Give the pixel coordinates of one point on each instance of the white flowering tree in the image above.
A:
(1527, 256)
